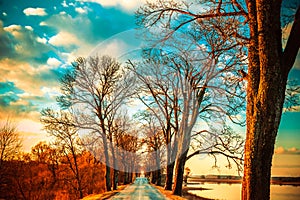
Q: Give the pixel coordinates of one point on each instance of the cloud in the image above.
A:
(35, 11)
(21, 43)
(64, 38)
(29, 28)
(53, 62)
(43, 24)
(9, 93)
(282, 150)
(97, 24)
(41, 40)
(128, 5)
(30, 80)
(7, 87)
(81, 10)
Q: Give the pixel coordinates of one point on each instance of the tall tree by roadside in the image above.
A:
(269, 66)
(256, 23)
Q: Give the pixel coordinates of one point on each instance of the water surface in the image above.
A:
(233, 191)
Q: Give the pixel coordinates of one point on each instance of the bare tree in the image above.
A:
(153, 142)
(199, 89)
(257, 24)
(127, 145)
(94, 91)
(159, 86)
(10, 141)
(61, 126)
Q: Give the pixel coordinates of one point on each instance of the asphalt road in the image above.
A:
(140, 190)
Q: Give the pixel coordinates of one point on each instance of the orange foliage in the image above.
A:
(44, 175)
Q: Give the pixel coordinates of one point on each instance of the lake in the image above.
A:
(233, 191)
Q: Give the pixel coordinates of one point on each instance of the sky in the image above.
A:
(40, 38)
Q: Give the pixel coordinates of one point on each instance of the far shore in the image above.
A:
(294, 181)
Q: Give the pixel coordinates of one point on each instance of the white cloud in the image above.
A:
(12, 28)
(43, 24)
(64, 39)
(51, 91)
(4, 14)
(29, 28)
(68, 57)
(81, 10)
(35, 11)
(64, 4)
(125, 4)
(41, 40)
(15, 30)
(53, 62)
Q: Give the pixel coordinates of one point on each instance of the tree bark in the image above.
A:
(169, 176)
(114, 160)
(107, 165)
(179, 171)
(171, 164)
(265, 95)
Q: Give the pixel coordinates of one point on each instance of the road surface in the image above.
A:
(140, 190)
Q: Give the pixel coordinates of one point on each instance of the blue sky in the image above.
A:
(39, 40)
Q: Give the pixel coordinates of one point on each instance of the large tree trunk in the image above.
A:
(107, 165)
(179, 171)
(158, 167)
(265, 95)
(169, 176)
(171, 164)
(115, 171)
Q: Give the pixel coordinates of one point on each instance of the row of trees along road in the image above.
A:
(255, 26)
(181, 90)
(184, 88)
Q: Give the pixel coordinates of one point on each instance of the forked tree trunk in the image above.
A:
(267, 76)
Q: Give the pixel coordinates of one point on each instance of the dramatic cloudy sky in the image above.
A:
(39, 39)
